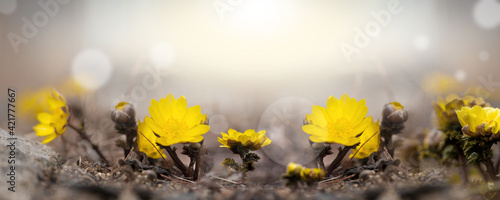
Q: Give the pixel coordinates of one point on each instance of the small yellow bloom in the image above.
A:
(340, 122)
(54, 123)
(296, 174)
(250, 139)
(478, 120)
(294, 169)
(173, 122)
(370, 144)
(33, 102)
(150, 148)
(437, 83)
(445, 108)
(312, 174)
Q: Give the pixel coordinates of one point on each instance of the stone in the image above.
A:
(30, 164)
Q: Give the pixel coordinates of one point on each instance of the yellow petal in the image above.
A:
(334, 108)
(43, 130)
(362, 126)
(155, 110)
(318, 116)
(314, 130)
(193, 115)
(347, 141)
(49, 138)
(44, 118)
(198, 130)
(166, 141)
(360, 112)
(166, 108)
(317, 139)
(154, 126)
(266, 142)
(180, 108)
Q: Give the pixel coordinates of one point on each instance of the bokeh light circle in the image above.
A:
(484, 56)
(218, 124)
(8, 7)
(421, 42)
(162, 54)
(283, 121)
(487, 13)
(91, 68)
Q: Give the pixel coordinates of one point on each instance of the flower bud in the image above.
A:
(318, 146)
(124, 112)
(394, 113)
(195, 146)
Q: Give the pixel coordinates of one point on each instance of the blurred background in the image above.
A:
(257, 64)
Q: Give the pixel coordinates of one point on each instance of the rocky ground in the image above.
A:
(41, 173)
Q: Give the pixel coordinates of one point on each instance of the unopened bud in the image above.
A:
(195, 146)
(123, 113)
(318, 146)
(395, 113)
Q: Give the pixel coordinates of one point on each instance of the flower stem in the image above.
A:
(177, 162)
(336, 162)
(490, 169)
(197, 167)
(244, 171)
(84, 135)
(462, 161)
(320, 157)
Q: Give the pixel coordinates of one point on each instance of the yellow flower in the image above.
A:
(250, 139)
(340, 122)
(294, 169)
(173, 122)
(150, 148)
(437, 83)
(312, 174)
(445, 108)
(33, 102)
(54, 123)
(370, 144)
(479, 121)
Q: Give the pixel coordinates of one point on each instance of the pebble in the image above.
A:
(365, 174)
(150, 174)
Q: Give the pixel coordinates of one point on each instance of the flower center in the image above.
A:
(340, 127)
(175, 127)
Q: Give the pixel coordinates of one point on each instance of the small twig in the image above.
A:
(86, 137)
(114, 171)
(331, 179)
(399, 167)
(178, 179)
(177, 162)
(337, 180)
(227, 180)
